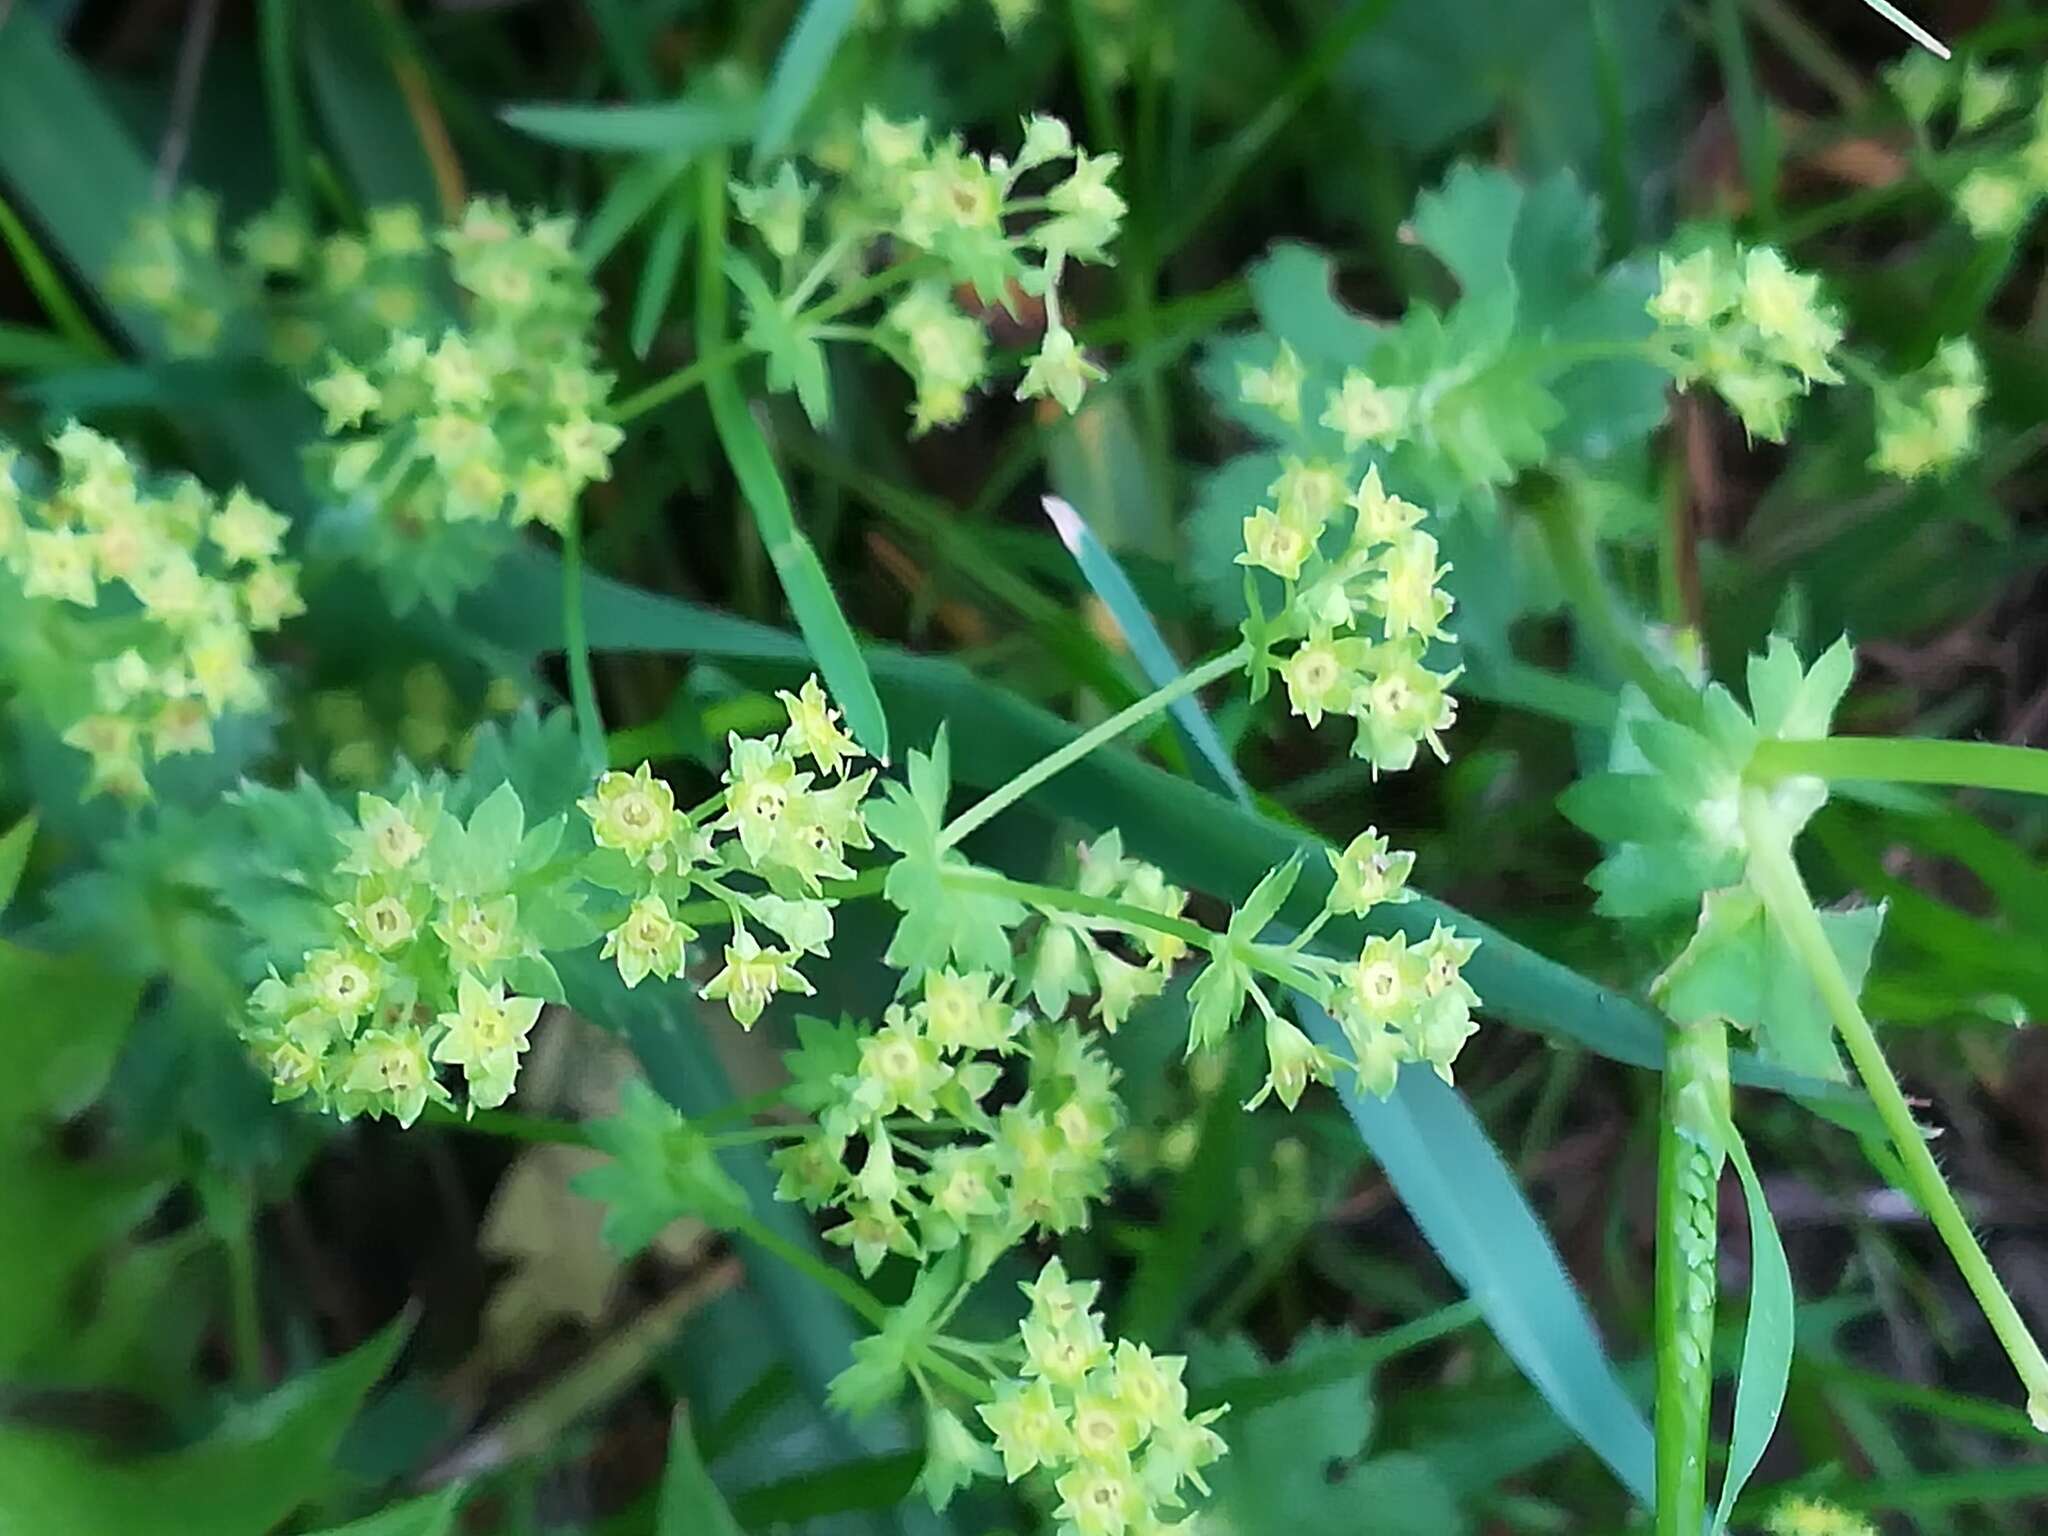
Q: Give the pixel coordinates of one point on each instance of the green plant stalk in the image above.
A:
(1594, 604)
(997, 801)
(1694, 1097)
(582, 686)
(1914, 760)
(1776, 879)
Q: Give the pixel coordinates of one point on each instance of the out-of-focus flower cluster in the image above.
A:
(130, 604)
(1927, 420)
(1754, 329)
(455, 372)
(961, 221)
(303, 293)
(1992, 122)
(423, 715)
(1362, 604)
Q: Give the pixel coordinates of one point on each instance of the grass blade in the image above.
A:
(1153, 654)
(682, 127)
(631, 198)
(1766, 1340)
(691, 1504)
(804, 581)
(1467, 1204)
(365, 112)
(798, 68)
(659, 271)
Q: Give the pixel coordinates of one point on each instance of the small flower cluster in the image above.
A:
(345, 290)
(1071, 956)
(139, 602)
(1107, 1426)
(1753, 328)
(1012, 16)
(501, 414)
(1397, 1002)
(1383, 568)
(432, 933)
(932, 1071)
(1927, 420)
(969, 221)
(2006, 179)
(783, 828)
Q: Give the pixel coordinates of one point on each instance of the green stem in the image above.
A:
(508, 1125)
(1000, 800)
(845, 1287)
(1600, 613)
(582, 686)
(1283, 965)
(1911, 760)
(1776, 880)
(1695, 1095)
(681, 382)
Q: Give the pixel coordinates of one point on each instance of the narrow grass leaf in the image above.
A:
(1766, 1340)
(1468, 1206)
(14, 849)
(684, 127)
(364, 111)
(1147, 645)
(691, 1504)
(801, 65)
(658, 273)
(631, 198)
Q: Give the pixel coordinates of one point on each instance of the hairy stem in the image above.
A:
(1695, 1094)
(999, 800)
(1775, 878)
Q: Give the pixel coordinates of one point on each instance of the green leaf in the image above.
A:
(265, 1461)
(1153, 654)
(939, 925)
(14, 851)
(365, 112)
(660, 268)
(1468, 1206)
(799, 68)
(1265, 901)
(1295, 1462)
(691, 1504)
(64, 1019)
(631, 198)
(690, 126)
(433, 1515)
(1738, 969)
(662, 1168)
(55, 1216)
(1766, 1339)
(491, 841)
